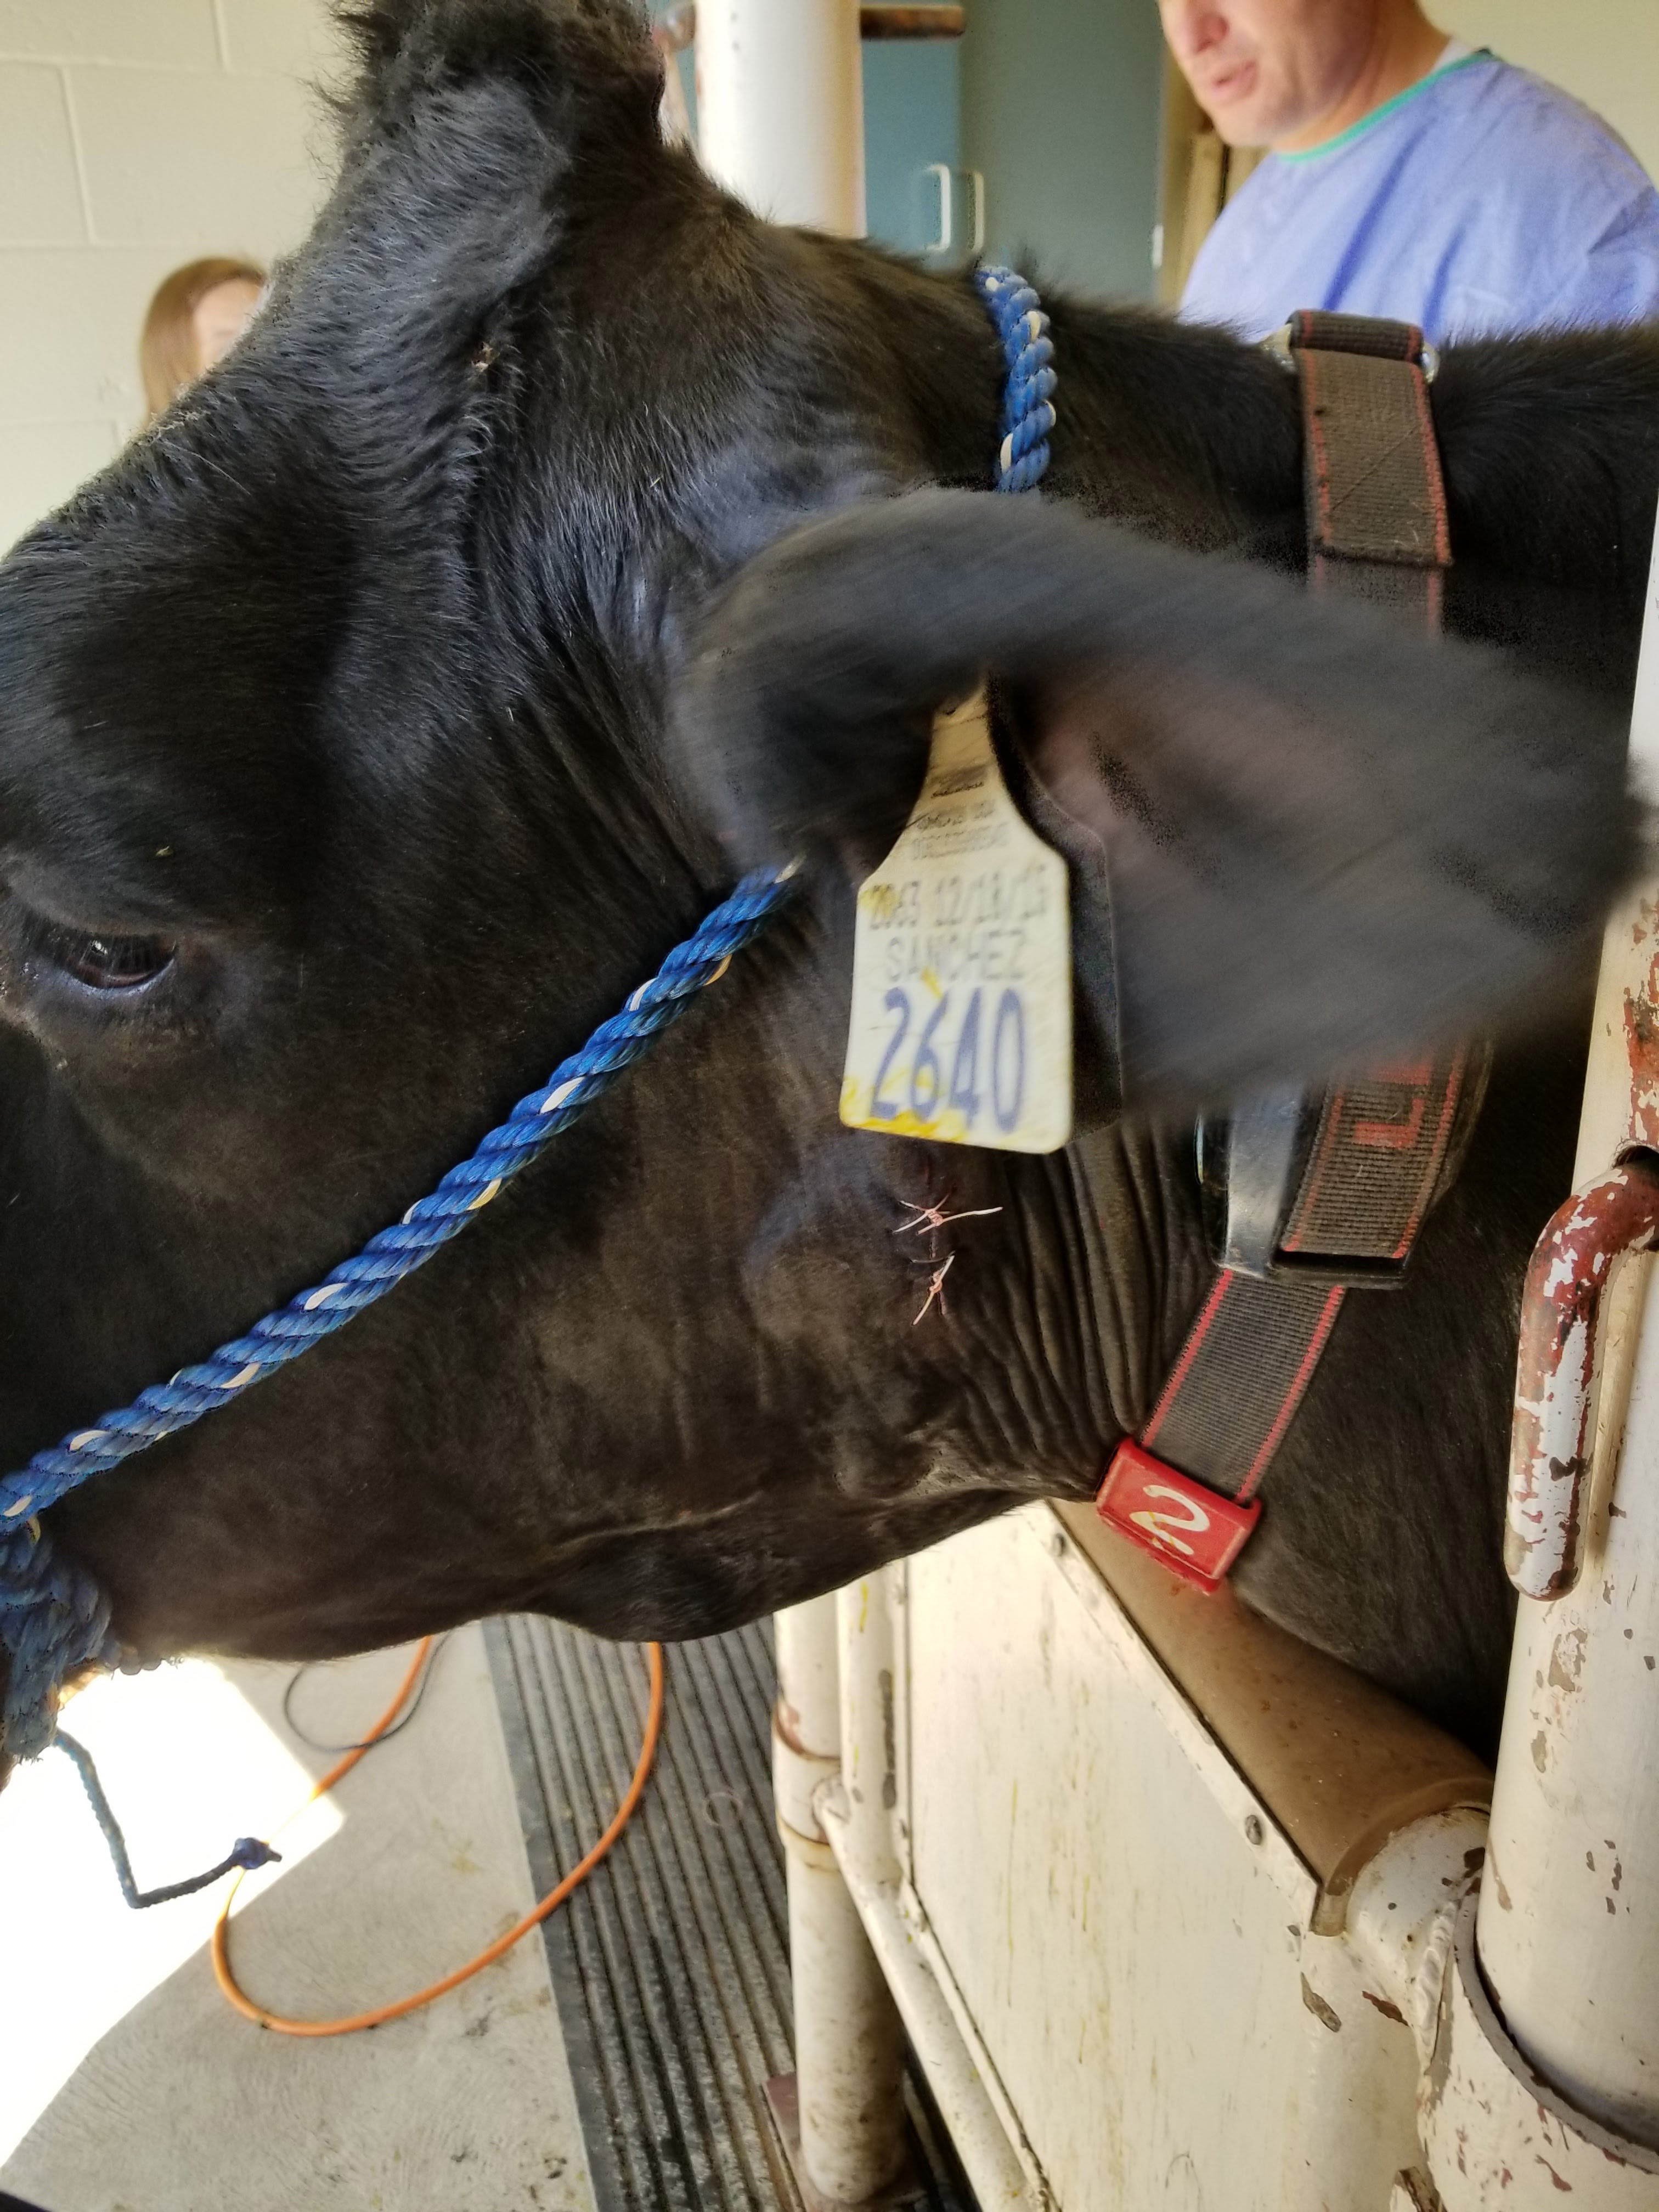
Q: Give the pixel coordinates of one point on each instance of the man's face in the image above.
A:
(1266, 69)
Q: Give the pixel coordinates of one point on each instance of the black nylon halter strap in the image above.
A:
(1317, 1205)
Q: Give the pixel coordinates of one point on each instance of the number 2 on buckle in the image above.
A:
(1197, 1532)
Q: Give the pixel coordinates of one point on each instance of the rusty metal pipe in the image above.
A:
(1568, 1931)
(1568, 1917)
(1557, 1375)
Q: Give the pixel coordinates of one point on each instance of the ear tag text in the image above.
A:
(962, 966)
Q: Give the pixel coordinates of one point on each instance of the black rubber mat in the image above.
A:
(671, 1966)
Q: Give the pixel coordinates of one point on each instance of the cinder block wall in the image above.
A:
(134, 135)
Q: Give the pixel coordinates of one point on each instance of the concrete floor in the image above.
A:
(126, 2082)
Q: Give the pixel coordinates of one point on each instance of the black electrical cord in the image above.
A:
(331, 1749)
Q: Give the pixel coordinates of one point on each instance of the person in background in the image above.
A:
(196, 317)
(1408, 177)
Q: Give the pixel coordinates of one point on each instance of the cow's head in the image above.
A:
(338, 803)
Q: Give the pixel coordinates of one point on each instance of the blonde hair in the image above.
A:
(166, 348)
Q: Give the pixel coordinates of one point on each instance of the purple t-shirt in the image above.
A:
(1480, 201)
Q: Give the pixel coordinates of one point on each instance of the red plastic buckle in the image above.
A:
(1195, 1532)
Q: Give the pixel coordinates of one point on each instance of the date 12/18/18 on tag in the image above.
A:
(961, 1028)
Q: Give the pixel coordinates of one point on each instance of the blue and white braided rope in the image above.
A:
(1028, 413)
(53, 1618)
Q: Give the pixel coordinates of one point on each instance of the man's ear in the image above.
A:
(1323, 839)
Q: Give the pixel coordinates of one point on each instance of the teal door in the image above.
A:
(1043, 121)
(913, 147)
(1060, 103)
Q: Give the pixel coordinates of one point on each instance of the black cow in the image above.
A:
(376, 722)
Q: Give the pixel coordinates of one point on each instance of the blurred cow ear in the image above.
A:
(1321, 838)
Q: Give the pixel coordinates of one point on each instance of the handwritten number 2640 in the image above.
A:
(927, 1085)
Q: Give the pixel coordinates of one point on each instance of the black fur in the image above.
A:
(353, 678)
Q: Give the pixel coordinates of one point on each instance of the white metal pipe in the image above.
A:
(868, 1724)
(1569, 1913)
(981, 2141)
(1403, 1909)
(780, 123)
(849, 2042)
(781, 108)
(1568, 1921)
(1498, 2137)
(809, 1681)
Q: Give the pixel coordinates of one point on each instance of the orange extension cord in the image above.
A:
(551, 1903)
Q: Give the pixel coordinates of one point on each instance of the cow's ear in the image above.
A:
(586, 67)
(467, 133)
(465, 125)
(1322, 838)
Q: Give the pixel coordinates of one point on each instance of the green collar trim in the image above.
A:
(1359, 130)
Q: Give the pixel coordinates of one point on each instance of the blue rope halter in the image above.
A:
(1027, 414)
(53, 1616)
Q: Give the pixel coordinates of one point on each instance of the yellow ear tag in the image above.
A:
(962, 966)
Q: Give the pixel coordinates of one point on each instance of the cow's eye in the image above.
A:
(104, 963)
(117, 964)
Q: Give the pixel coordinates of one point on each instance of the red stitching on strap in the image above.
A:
(1432, 471)
(1322, 467)
(1293, 1398)
(1195, 1336)
(1431, 1182)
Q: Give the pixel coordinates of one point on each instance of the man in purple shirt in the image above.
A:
(1408, 177)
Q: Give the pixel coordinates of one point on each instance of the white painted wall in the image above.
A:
(1605, 52)
(134, 135)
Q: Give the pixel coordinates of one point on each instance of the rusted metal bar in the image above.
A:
(1568, 1930)
(1559, 1371)
(926, 22)
(677, 28)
